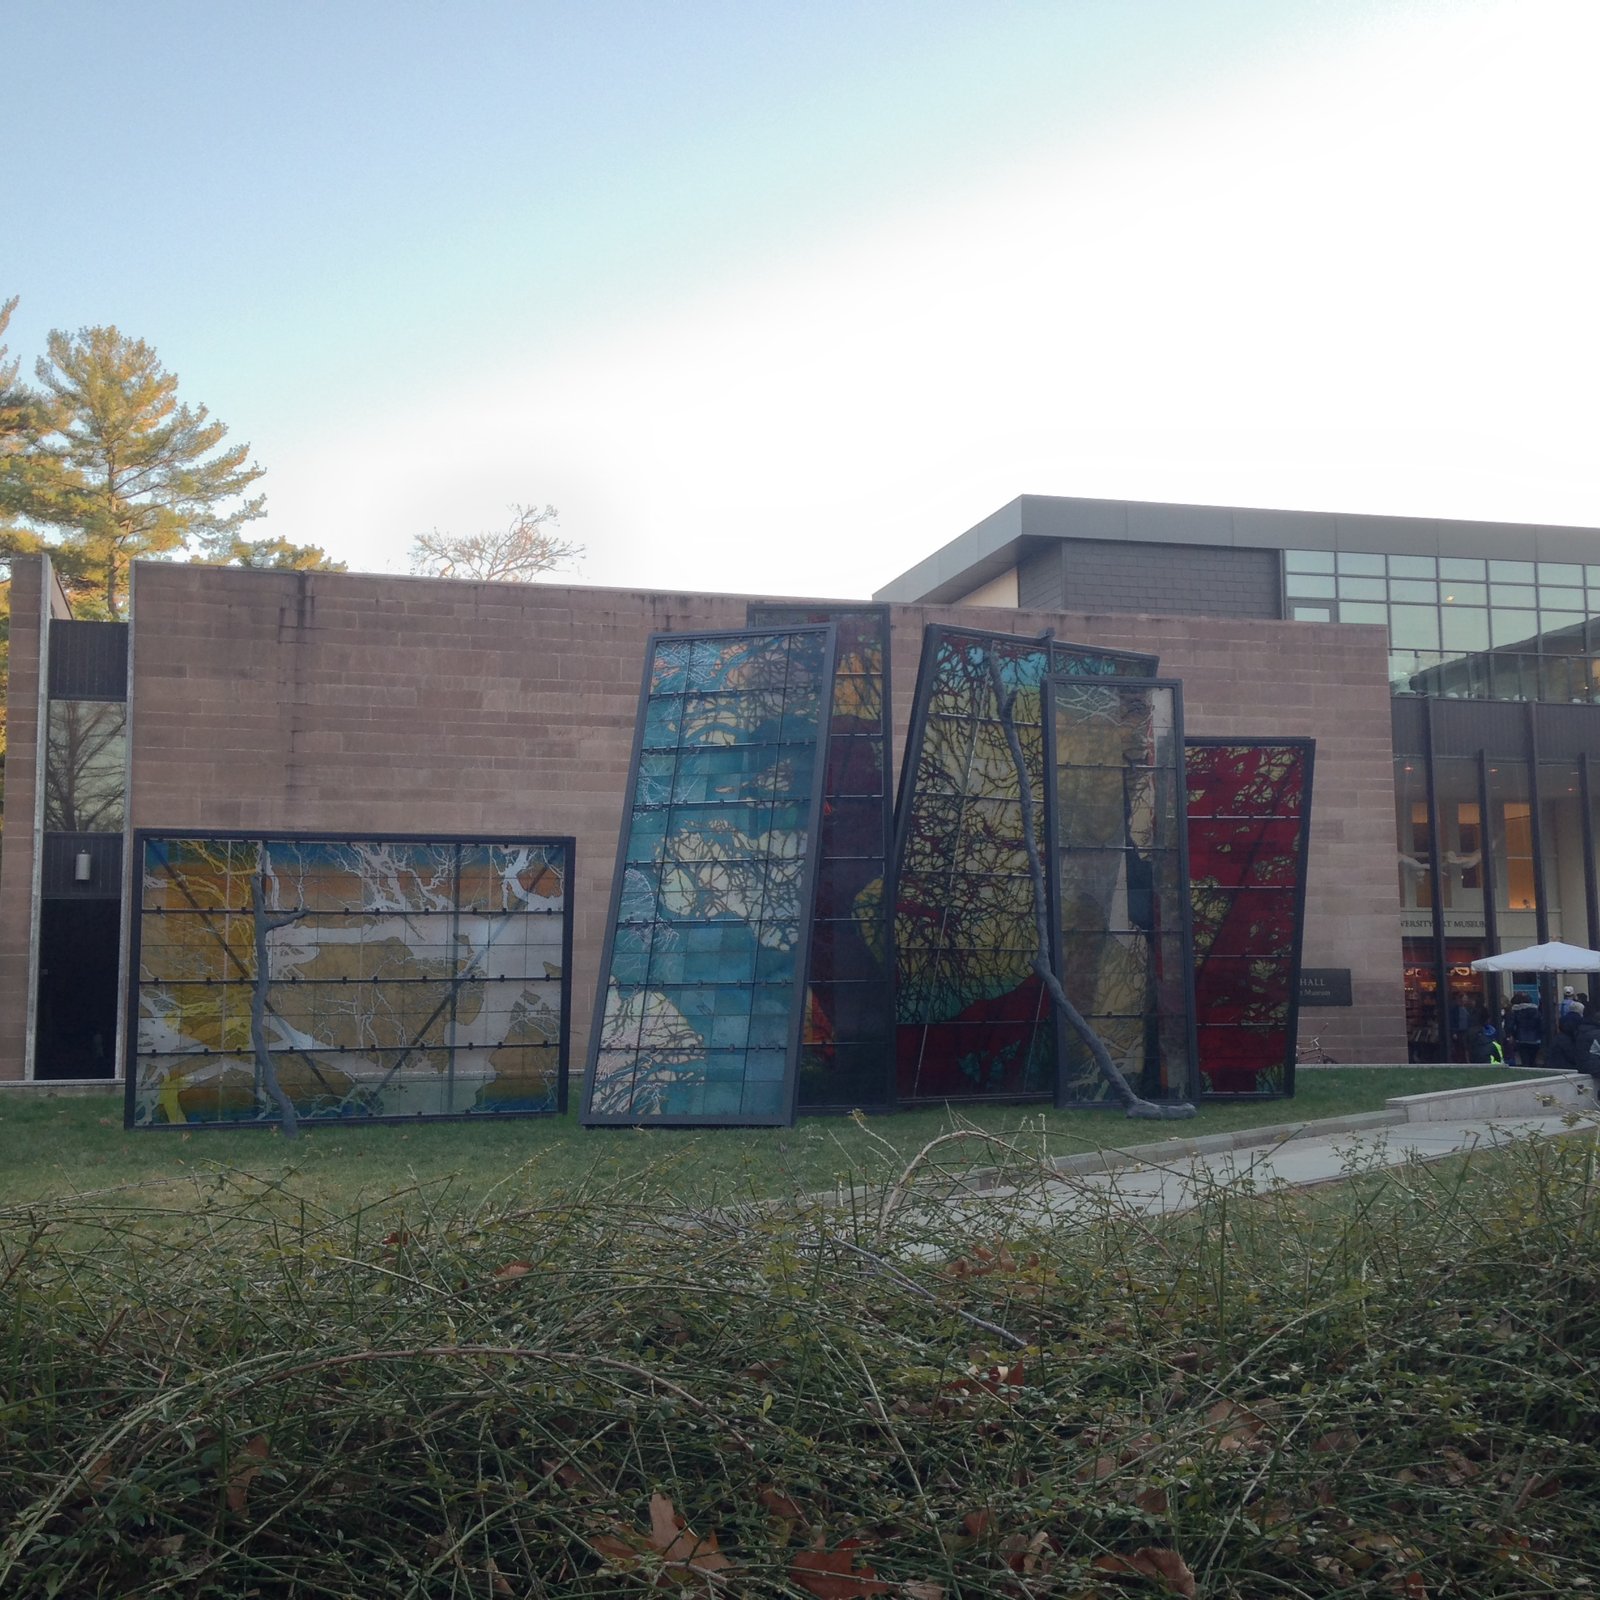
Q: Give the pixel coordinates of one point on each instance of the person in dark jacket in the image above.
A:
(1562, 1056)
(1483, 1046)
(1526, 1029)
(1587, 1045)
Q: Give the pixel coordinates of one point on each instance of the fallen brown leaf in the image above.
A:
(1166, 1566)
(246, 1464)
(833, 1574)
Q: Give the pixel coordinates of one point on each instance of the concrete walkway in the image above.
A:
(1172, 1174)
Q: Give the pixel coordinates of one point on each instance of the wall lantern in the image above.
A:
(82, 867)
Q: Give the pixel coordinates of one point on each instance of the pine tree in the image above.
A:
(125, 469)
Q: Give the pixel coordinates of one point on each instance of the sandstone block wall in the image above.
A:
(351, 702)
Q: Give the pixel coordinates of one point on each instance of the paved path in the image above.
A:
(1148, 1187)
(1146, 1180)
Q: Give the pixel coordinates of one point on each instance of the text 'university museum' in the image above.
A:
(1207, 778)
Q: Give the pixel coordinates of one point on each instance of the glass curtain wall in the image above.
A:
(1462, 627)
(1561, 841)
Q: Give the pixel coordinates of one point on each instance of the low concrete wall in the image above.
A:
(1531, 1097)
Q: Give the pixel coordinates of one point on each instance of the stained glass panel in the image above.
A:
(699, 1011)
(1249, 805)
(404, 977)
(1119, 883)
(973, 1020)
(845, 1045)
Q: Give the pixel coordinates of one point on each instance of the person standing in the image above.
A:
(1526, 1029)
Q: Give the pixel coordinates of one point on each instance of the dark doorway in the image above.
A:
(77, 1019)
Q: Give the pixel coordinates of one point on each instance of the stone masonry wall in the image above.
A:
(344, 703)
(17, 858)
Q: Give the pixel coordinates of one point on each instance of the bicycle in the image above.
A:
(1312, 1054)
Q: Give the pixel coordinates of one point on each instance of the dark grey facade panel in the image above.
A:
(1040, 581)
(88, 660)
(1498, 728)
(58, 867)
(1188, 580)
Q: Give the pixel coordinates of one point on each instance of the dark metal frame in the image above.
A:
(134, 913)
(764, 613)
(933, 637)
(1303, 845)
(1185, 930)
(591, 1119)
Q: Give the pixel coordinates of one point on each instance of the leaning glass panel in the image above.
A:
(1116, 852)
(367, 979)
(703, 982)
(1249, 816)
(846, 1042)
(973, 1020)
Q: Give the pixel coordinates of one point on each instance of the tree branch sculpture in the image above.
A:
(1132, 1104)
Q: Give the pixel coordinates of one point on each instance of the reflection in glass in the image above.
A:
(404, 978)
(974, 1021)
(1119, 883)
(85, 766)
(846, 1041)
(701, 992)
(1561, 848)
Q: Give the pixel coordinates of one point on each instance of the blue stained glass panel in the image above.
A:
(703, 976)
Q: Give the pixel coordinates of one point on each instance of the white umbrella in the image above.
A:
(1552, 957)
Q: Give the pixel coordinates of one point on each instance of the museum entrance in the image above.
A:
(76, 1020)
(1468, 989)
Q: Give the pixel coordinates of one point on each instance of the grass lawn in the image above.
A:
(55, 1147)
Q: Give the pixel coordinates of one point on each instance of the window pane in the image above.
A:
(1454, 568)
(1464, 594)
(1363, 611)
(1560, 572)
(1563, 629)
(1309, 587)
(1364, 565)
(1512, 627)
(1510, 572)
(1363, 589)
(85, 766)
(1516, 596)
(1313, 614)
(1403, 665)
(1412, 567)
(1560, 599)
(1414, 627)
(1308, 561)
(1465, 629)
(1413, 591)
(1516, 677)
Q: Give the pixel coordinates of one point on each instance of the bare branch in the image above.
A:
(517, 553)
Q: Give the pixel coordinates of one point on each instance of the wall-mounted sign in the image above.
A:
(1325, 986)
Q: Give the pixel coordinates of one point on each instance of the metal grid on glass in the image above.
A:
(698, 1013)
(847, 1037)
(974, 1021)
(1119, 883)
(404, 977)
(1249, 804)
(1463, 627)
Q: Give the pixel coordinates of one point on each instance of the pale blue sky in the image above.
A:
(780, 297)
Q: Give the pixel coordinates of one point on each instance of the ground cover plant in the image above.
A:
(1378, 1388)
(66, 1145)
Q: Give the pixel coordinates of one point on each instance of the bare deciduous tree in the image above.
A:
(517, 553)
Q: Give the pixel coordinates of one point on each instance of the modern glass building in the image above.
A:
(1493, 643)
